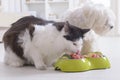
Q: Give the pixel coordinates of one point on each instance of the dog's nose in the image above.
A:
(111, 27)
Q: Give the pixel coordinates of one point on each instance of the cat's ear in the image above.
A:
(85, 30)
(59, 25)
(66, 26)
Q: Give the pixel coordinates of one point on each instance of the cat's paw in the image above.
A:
(16, 64)
(42, 67)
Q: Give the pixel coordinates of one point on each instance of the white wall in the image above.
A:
(115, 4)
(6, 19)
(11, 5)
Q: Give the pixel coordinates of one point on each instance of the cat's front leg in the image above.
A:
(37, 58)
(38, 62)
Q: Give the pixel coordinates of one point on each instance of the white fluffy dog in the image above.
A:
(95, 17)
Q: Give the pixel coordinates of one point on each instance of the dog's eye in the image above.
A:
(111, 27)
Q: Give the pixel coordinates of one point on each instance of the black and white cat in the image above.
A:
(39, 42)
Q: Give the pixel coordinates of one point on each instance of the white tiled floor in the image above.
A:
(109, 46)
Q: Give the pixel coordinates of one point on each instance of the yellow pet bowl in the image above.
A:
(99, 63)
(84, 64)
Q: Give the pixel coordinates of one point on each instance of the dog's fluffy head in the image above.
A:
(92, 16)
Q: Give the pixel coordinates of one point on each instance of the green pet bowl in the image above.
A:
(84, 64)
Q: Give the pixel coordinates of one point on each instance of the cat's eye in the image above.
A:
(75, 44)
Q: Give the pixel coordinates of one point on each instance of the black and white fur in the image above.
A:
(98, 18)
(36, 41)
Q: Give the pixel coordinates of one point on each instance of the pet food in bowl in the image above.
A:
(75, 62)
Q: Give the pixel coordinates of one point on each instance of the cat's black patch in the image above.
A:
(10, 37)
(74, 33)
(10, 40)
(31, 30)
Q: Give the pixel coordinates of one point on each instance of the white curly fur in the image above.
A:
(93, 16)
